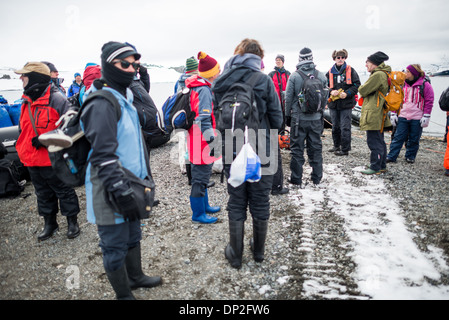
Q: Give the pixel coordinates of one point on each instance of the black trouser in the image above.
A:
(200, 179)
(376, 143)
(256, 195)
(278, 178)
(341, 128)
(49, 189)
(115, 240)
(307, 134)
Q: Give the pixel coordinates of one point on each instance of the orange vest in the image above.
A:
(348, 77)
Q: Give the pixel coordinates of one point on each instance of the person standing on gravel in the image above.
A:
(115, 145)
(371, 119)
(414, 114)
(343, 85)
(200, 136)
(43, 105)
(306, 128)
(242, 66)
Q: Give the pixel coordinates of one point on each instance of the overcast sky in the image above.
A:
(166, 32)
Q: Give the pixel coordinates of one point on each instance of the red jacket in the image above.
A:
(201, 103)
(280, 79)
(46, 110)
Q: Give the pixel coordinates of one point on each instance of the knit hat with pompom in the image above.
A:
(207, 66)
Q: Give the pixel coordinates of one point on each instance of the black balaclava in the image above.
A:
(113, 76)
(37, 83)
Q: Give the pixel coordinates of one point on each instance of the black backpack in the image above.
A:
(444, 100)
(238, 110)
(70, 163)
(313, 96)
(10, 186)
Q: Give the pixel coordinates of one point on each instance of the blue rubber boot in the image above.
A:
(199, 211)
(208, 208)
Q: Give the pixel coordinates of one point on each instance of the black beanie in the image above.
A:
(117, 50)
(378, 57)
(114, 77)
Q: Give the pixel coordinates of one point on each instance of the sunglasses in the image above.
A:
(125, 64)
(340, 58)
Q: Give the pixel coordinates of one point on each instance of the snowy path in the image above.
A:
(385, 262)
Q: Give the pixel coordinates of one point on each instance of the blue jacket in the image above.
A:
(74, 88)
(114, 142)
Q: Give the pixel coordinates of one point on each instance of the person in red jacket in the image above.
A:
(200, 136)
(280, 77)
(43, 105)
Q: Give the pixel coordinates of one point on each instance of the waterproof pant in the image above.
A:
(306, 135)
(406, 130)
(255, 195)
(278, 178)
(200, 178)
(341, 128)
(446, 156)
(376, 143)
(49, 190)
(115, 240)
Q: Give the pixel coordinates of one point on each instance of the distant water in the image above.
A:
(160, 91)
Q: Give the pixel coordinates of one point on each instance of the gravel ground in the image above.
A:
(190, 257)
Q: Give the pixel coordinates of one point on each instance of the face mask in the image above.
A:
(117, 78)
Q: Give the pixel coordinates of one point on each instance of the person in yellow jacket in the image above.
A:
(372, 119)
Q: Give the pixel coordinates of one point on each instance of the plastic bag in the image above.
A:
(245, 167)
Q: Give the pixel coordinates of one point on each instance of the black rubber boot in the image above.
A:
(73, 229)
(234, 249)
(120, 283)
(50, 227)
(137, 279)
(257, 244)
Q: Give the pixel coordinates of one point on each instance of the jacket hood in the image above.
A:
(196, 81)
(305, 66)
(248, 60)
(382, 67)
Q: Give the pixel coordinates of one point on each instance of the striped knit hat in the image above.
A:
(208, 66)
(117, 50)
(191, 65)
(305, 54)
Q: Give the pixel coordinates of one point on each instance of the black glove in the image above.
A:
(143, 71)
(36, 143)
(211, 146)
(190, 119)
(288, 121)
(3, 151)
(126, 204)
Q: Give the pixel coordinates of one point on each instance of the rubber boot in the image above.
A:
(257, 244)
(120, 283)
(234, 249)
(199, 211)
(208, 208)
(50, 226)
(137, 279)
(73, 229)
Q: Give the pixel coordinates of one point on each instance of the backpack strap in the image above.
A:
(253, 79)
(109, 96)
